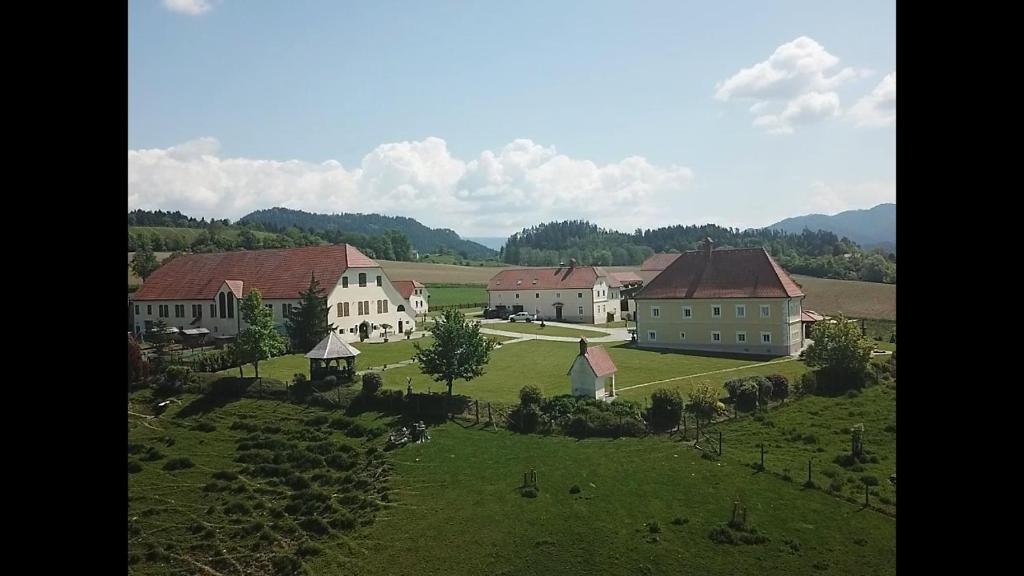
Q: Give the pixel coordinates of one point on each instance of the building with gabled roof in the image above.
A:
(566, 293)
(592, 373)
(732, 300)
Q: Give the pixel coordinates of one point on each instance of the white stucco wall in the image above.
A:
(542, 302)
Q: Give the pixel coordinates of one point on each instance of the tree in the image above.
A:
(137, 365)
(840, 353)
(666, 408)
(703, 401)
(259, 340)
(459, 350)
(144, 262)
(161, 340)
(307, 323)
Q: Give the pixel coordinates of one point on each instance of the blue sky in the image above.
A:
(486, 117)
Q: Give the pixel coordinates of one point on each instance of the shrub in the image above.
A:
(286, 565)
(666, 408)
(780, 386)
(134, 467)
(721, 535)
(372, 383)
(575, 489)
(179, 463)
(525, 418)
(237, 508)
(680, 520)
(225, 475)
(764, 389)
(317, 421)
(307, 548)
(340, 462)
(746, 396)
(341, 422)
(653, 527)
(204, 426)
(869, 480)
(808, 384)
(530, 396)
(529, 492)
(151, 454)
(356, 430)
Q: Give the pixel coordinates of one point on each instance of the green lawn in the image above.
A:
(370, 356)
(817, 428)
(545, 364)
(457, 511)
(533, 328)
(441, 296)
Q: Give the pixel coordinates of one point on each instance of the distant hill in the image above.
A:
(491, 242)
(875, 227)
(425, 240)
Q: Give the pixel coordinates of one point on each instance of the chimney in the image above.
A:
(583, 347)
(708, 247)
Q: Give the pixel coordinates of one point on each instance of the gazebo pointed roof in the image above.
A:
(330, 348)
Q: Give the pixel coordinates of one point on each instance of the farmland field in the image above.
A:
(441, 296)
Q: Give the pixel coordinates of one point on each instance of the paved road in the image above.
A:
(612, 334)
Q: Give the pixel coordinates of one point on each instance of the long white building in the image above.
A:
(202, 290)
(585, 294)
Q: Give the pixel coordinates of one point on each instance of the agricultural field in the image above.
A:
(456, 295)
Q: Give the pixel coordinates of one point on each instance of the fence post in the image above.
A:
(808, 470)
(762, 455)
(490, 420)
(477, 403)
(865, 495)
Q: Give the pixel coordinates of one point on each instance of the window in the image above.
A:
(359, 306)
(716, 311)
(136, 308)
(362, 279)
(149, 309)
(271, 308)
(163, 310)
(687, 312)
(536, 294)
(222, 298)
(741, 311)
(385, 306)
(379, 283)
(716, 336)
(401, 308)
(652, 335)
(379, 306)
(517, 295)
(581, 310)
(558, 294)
(766, 337)
(741, 337)
(766, 310)
(682, 335)
(345, 309)
(366, 306)
(197, 310)
(213, 310)
(286, 310)
(655, 312)
(579, 294)
(344, 281)
(231, 305)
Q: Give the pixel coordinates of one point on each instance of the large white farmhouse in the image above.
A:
(585, 294)
(201, 291)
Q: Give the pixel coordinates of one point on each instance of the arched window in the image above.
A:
(223, 306)
(231, 305)
(401, 308)
(362, 279)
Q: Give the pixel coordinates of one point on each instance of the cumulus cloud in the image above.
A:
(521, 184)
(799, 80)
(832, 198)
(879, 107)
(189, 7)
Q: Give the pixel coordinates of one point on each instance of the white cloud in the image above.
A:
(879, 107)
(189, 7)
(804, 109)
(837, 197)
(521, 184)
(798, 80)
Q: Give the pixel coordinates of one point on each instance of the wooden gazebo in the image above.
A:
(325, 359)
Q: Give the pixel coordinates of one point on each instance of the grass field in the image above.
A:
(370, 356)
(545, 364)
(458, 494)
(441, 296)
(534, 329)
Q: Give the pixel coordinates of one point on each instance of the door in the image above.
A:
(558, 312)
(517, 308)
(400, 331)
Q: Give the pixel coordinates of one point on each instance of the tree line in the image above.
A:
(818, 253)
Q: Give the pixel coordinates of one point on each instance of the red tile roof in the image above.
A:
(810, 316)
(276, 273)
(658, 262)
(731, 273)
(549, 278)
(599, 360)
(627, 278)
(405, 287)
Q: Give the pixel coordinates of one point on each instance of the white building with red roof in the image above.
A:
(415, 296)
(201, 291)
(592, 373)
(585, 294)
(733, 300)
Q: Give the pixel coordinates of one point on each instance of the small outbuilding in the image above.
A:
(325, 359)
(592, 373)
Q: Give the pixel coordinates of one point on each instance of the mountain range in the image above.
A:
(871, 228)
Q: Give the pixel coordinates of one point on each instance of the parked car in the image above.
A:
(521, 317)
(502, 313)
